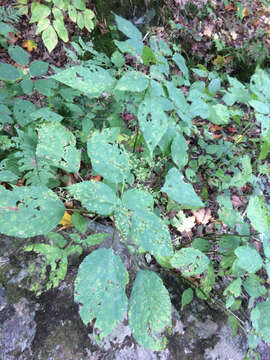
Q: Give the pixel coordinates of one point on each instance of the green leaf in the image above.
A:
(137, 200)
(190, 261)
(29, 211)
(218, 114)
(42, 25)
(117, 59)
(259, 106)
(95, 239)
(49, 38)
(80, 20)
(19, 55)
(63, 153)
(22, 110)
(72, 13)
(108, 160)
(57, 239)
(226, 212)
(127, 28)
(181, 63)
(92, 80)
(79, 4)
(149, 310)
(187, 297)
(153, 121)
(46, 114)
(148, 56)
(180, 191)
(39, 11)
(201, 244)
(8, 176)
(61, 29)
(253, 287)
(9, 72)
(134, 81)
(130, 46)
(228, 243)
(261, 320)
(257, 212)
(233, 323)
(27, 86)
(234, 288)
(95, 196)
(101, 293)
(45, 86)
(248, 259)
(151, 233)
(179, 149)
(79, 222)
(57, 13)
(253, 341)
(88, 19)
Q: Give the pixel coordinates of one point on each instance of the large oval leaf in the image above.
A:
(180, 191)
(100, 290)
(92, 80)
(95, 196)
(248, 259)
(261, 320)
(190, 261)
(149, 310)
(49, 38)
(128, 28)
(151, 233)
(29, 211)
(63, 153)
(153, 121)
(133, 81)
(108, 160)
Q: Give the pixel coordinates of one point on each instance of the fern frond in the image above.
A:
(9, 14)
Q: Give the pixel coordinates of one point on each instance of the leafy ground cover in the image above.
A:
(175, 155)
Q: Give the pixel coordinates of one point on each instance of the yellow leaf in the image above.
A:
(244, 12)
(30, 45)
(65, 222)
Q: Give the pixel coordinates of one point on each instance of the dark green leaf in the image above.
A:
(127, 28)
(101, 293)
(19, 55)
(38, 68)
(79, 222)
(149, 310)
(187, 297)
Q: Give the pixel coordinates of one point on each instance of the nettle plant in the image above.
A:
(79, 124)
(50, 18)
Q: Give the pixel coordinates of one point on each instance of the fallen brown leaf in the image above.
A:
(202, 216)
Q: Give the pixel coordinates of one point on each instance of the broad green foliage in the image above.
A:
(190, 261)
(50, 18)
(64, 153)
(29, 211)
(146, 320)
(180, 191)
(101, 293)
(138, 145)
(95, 196)
(92, 81)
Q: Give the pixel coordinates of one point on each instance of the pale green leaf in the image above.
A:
(187, 297)
(88, 19)
(130, 46)
(253, 287)
(137, 200)
(57, 13)
(46, 114)
(95, 196)
(39, 11)
(218, 114)
(72, 13)
(235, 288)
(149, 310)
(92, 80)
(61, 29)
(80, 20)
(95, 239)
(190, 261)
(63, 153)
(49, 37)
(29, 211)
(150, 233)
(261, 320)
(79, 222)
(42, 25)
(248, 259)
(79, 4)
(181, 63)
(153, 121)
(180, 191)
(127, 28)
(257, 212)
(100, 290)
(259, 106)
(22, 111)
(134, 81)
(108, 160)
(179, 149)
